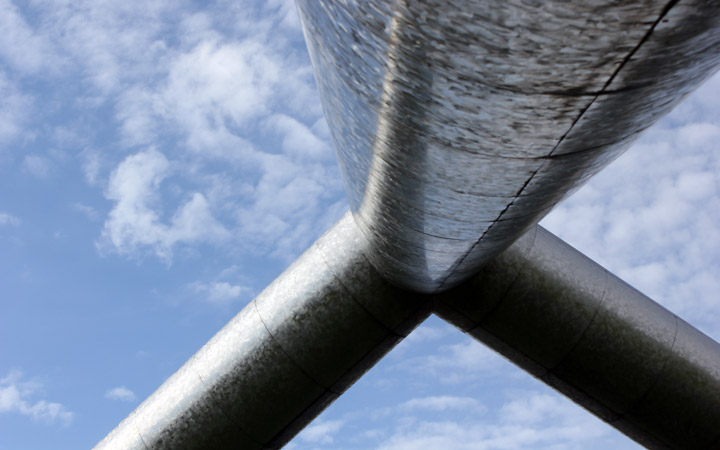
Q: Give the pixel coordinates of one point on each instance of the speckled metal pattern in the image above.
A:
(283, 359)
(459, 125)
(585, 332)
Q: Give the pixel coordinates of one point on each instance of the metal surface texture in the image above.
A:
(459, 125)
(283, 359)
(583, 331)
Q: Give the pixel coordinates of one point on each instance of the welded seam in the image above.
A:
(349, 292)
(137, 430)
(479, 323)
(284, 352)
(663, 13)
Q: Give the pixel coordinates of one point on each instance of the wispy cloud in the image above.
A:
(134, 223)
(120, 393)
(532, 420)
(441, 403)
(15, 109)
(221, 292)
(8, 219)
(321, 432)
(37, 165)
(15, 397)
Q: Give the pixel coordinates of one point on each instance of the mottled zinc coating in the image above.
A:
(460, 124)
(284, 358)
(585, 332)
(330, 317)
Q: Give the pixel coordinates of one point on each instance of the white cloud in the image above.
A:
(441, 403)
(461, 362)
(216, 90)
(220, 292)
(120, 393)
(15, 108)
(8, 219)
(37, 165)
(532, 420)
(133, 224)
(21, 46)
(321, 432)
(87, 210)
(15, 398)
(299, 140)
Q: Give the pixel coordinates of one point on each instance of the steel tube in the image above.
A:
(583, 331)
(459, 125)
(284, 358)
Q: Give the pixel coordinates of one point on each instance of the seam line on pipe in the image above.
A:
(137, 430)
(627, 58)
(284, 352)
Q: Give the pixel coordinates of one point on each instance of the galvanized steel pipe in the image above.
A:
(459, 124)
(583, 331)
(283, 359)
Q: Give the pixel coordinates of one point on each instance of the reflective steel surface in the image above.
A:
(283, 359)
(586, 333)
(459, 125)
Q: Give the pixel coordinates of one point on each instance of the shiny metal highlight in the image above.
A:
(459, 125)
(586, 333)
(283, 359)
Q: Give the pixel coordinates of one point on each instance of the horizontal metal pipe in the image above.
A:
(459, 125)
(583, 331)
(283, 359)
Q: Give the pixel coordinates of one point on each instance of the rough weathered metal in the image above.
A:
(586, 333)
(284, 358)
(459, 125)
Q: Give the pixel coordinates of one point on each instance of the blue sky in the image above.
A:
(161, 162)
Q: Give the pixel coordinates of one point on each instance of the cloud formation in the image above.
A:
(8, 219)
(134, 223)
(120, 393)
(15, 394)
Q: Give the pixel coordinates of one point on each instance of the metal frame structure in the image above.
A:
(458, 126)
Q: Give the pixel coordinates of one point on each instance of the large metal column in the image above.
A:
(583, 331)
(459, 124)
(283, 359)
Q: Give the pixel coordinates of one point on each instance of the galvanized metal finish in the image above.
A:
(459, 125)
(585, 332)
(284, 358)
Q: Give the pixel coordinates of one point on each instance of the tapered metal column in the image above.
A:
(586, 333)
(459, 124)
(283, 359)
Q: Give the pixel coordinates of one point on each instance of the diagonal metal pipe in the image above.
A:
(586, 333)
(458, 126)
(283, 359)
(315, 330)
